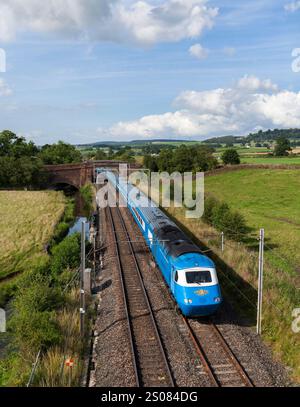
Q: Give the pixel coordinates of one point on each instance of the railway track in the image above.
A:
(219, 361)
(150, 362)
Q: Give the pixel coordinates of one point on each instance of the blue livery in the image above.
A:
(191, 276)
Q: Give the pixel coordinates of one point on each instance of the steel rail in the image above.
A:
(149, 306)
(126, 306)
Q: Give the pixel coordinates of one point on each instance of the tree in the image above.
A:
(231, 156)
(165, 160)
(150, 162)
(16, 146)
(182, 159)
(203, 159)
(282, 148)
(60, 153)
(100, 154)
(19, 163)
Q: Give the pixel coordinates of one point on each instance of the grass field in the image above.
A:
(271, 160)
(27, 222)
(269, 199)
(245, 151)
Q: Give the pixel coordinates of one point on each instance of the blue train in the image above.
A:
(191, 276)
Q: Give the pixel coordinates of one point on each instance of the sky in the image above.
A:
(91, 70)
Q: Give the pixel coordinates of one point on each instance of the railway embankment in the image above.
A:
(113, 355)
(44, 323)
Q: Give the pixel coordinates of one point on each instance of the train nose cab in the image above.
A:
(198, 291)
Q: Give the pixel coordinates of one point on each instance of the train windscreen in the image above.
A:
(198, 277)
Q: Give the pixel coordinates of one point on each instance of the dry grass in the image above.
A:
(27, 222)
(53, 371)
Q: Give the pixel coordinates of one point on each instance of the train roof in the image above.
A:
(192, 260)
(172, 238)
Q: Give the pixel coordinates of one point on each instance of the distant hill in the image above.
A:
(224, 140)
(259, 137)
(133, 142)
(272, 135)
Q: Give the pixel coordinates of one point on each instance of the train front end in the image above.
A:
(197, 289)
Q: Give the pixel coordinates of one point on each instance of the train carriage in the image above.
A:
(190, 275)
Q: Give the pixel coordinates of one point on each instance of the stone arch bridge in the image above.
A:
(77, 175)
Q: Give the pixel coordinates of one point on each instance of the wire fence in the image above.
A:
(274, 276)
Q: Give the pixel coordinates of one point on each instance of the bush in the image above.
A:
(87, 195)
(61, 231)
(33, 330)
(209, 205)
(63, 226)
(282, 148)
(33, 320)
(66, 255)
(231, 156)
(235, 226)
(220, 216)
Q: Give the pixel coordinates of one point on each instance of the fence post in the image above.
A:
(260, 280)
(82, 270)
(222, 241)
(34, 368)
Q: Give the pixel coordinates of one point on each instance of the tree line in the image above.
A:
(261, 137)
(189, 158)
(21, 162)
(184, 158)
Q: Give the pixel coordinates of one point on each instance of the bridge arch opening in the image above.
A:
(67, 188)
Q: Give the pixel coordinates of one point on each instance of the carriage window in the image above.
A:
(176, 276)
(196, 277)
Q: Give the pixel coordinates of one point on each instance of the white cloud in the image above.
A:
(134, 21)
(293, 6)
(252, 83)
(198, 51)
(4, 88)
(250, 104)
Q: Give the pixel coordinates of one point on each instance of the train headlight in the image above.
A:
(217, 299)
(188, 301)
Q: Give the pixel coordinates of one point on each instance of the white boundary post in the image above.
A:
(222, 241)
(260, 280)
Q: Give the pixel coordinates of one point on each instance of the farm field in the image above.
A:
(27, 222)
(271, 160)
(268, 199)
(245, 151)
